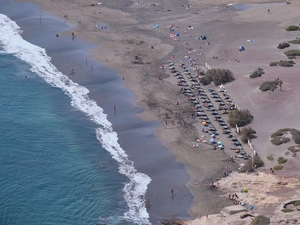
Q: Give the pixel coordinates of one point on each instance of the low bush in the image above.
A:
(239, 117)
(281, 160)
(285, 210)
(294, 148)
(247, 134)
(217, 76)
(257, 73)
(283, 45)
(260, 220)
(278, 167)
(267, 86)
(280, 132)
(296, 41)
(291, 54)
(280, 140)
(284, 63)
(257, 162)
(270, 157)
(296, 203)
(292, 28)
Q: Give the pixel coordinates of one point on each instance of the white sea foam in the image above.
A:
(39, 61)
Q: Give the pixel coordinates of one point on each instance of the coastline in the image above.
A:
(173, 139)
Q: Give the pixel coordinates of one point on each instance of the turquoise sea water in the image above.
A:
(53, 169)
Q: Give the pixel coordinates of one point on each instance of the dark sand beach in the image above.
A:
(173, 164)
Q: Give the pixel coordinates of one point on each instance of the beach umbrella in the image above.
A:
(156, 26)
(212, 140)
(241, 48)
(177, 35)
(221, 146)
(220, 143)
(213, 135)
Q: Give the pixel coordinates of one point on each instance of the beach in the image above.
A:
(132, 40)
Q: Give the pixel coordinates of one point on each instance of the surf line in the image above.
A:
(40, 63)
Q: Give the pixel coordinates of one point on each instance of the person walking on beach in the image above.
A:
(115, 108)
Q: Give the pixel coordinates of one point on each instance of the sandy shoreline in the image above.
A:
(131, 33)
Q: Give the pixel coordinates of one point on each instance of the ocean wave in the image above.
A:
(40, 63)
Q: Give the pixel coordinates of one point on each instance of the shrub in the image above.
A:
(239, 117)
(296, 203)
(256, 161)
(284, 63)
(205, 80)
(273, 64)
(291, 54)
(294, 132)
(268, 85)
(292, 28)
(296, 41)
(278, 167)
(281, 160)
(294, 148)
(270, 158)
(260, 220)
(247, 134)
(218, 76)
(283, 45)
(257, 73)
(280, 132)
(285, 210)
(280, 140)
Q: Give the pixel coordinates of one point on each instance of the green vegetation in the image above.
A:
(247, 134)
(257, 73)
(217, 76)
(270, 157)
(281, 160)
(291, 54)
(260, 220)
(284, 63)
(296, 203)
(239, 117)
(283, 45)
(271, 85)
(280, 132)
(278, 167)
(294, 149)
(277, 138)
(296, 41)
(267, 86)
(285, 210)
(292, 28)
(256, 161)
(280, 140)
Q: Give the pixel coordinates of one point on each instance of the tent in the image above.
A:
(245, 190)
(177, 35)
(220, 146)
(241, 48)
(213, 135)
(156, 26)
